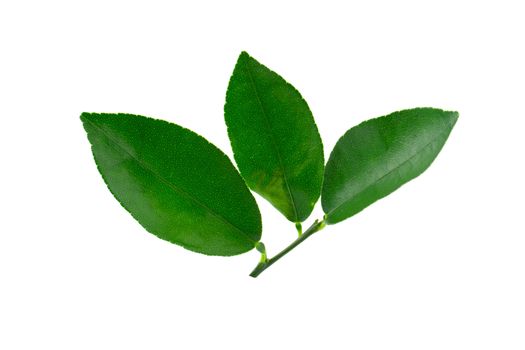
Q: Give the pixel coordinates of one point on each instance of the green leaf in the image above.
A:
(176, 184)
(274, 139)
(378, 156)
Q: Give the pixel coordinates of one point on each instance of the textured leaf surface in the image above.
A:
(376, 157)
(274, 139)
(175, 183)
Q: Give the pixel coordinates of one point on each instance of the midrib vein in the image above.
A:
(274, 143)
(388, 173)
(167, 183)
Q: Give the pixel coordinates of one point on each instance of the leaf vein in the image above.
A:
(430, 143)
(170, 185)
(274, 143)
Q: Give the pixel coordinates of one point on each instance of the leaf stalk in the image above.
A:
(266, 263)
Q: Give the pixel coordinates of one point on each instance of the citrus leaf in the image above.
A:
(274, 138)
(176, 184)
(378, 156)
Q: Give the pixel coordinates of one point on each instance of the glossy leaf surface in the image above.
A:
(175, 183)
(274, 138)
(378, 156)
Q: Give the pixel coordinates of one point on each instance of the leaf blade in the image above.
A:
(379, 155)
(175, 183)
(276, 144)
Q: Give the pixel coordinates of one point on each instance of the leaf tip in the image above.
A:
(84, 116)
(88, 117)
(244, 57)
(453, 117)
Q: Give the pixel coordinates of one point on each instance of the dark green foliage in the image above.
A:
(376, 157)
(175, 183)
(186, 191)
(274, 139)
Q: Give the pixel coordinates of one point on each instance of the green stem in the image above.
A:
(264, 264)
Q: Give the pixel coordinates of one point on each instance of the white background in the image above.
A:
(439, 264)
